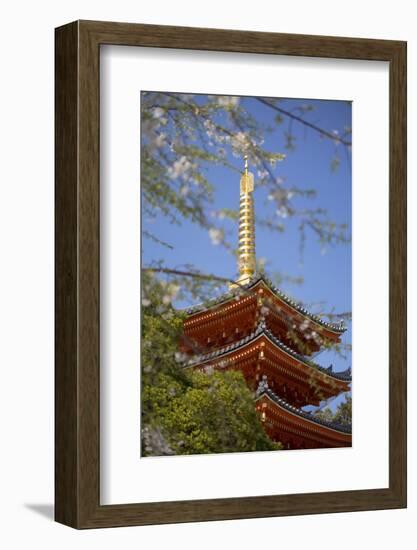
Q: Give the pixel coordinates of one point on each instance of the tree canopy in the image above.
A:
(342, 415)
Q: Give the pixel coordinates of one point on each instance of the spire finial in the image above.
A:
(247, 259)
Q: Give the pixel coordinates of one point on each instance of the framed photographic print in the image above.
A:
(230, 274)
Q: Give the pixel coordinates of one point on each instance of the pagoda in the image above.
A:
(272, 340)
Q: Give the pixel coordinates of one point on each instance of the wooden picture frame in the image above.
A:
(77, 404)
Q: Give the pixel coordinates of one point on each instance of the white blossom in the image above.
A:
(336, 135)
(180, 168)
(227, 101)
(262, 173)
(184, 190)
(210, 128)
(240, 144)
(158, 112)
(282, 211)
(216, 235)
(170, 292)
(159, 140)
(280, 195)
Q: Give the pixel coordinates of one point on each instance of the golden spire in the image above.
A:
(247, 258)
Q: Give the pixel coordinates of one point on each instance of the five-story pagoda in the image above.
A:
(256, 329)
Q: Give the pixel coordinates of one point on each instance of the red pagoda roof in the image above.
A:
(336, 328)
(262, 331)
(303, 414)
(298, 429)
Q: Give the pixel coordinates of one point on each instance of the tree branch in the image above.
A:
(301, 120)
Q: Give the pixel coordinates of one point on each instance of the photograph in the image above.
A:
(246, 273)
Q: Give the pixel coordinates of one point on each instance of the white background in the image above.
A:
(125, 478)
(26, 217)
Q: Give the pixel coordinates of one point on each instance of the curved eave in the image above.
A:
(279, 402)
(260, 332)
(229, 296)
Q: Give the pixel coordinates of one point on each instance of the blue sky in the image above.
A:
(326, 273)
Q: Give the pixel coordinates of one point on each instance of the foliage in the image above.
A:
(206, 413)
(325, 414)
(190, 412)
(342, 415)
